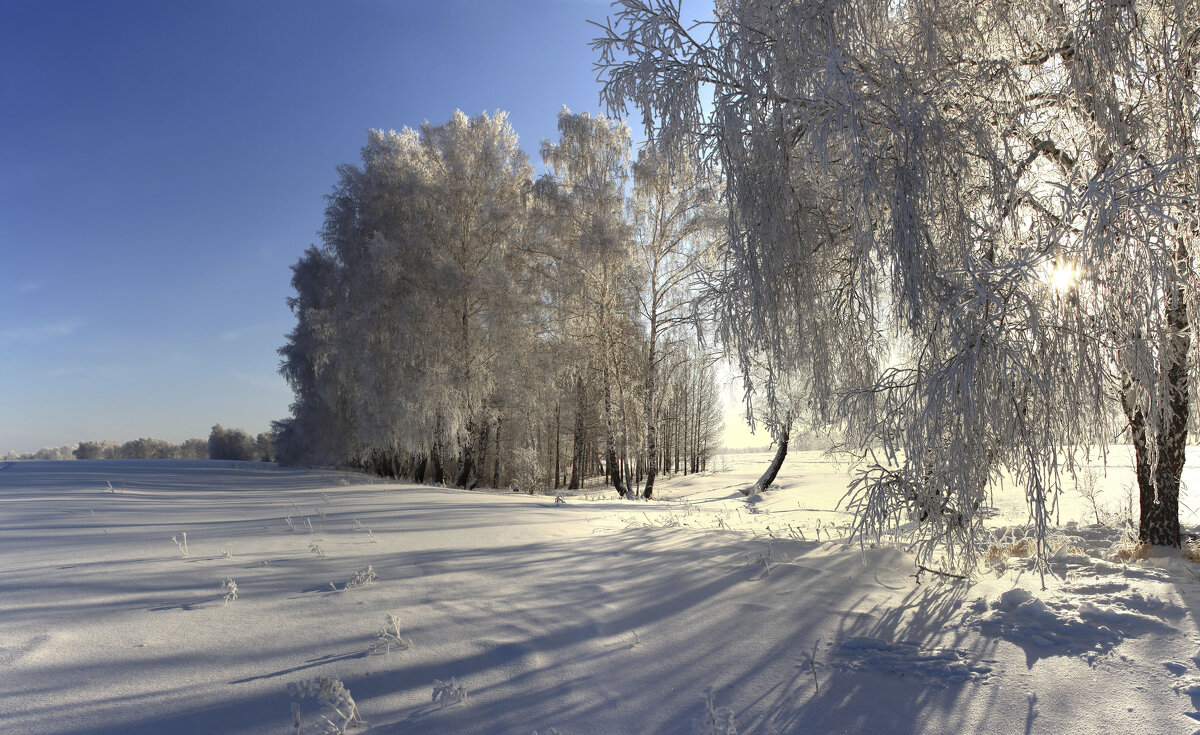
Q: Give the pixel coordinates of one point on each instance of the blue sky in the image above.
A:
(163, 163)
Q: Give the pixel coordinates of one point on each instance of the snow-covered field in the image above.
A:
(592, 615)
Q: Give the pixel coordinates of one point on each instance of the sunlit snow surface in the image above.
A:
(592, 615)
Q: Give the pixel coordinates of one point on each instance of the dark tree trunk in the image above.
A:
(435, 456)
(557, 441)
(496, 466)
(768, 477)
(1158, 486)
(466, 467)
(418, 474)
(578, 457)
(614, 470)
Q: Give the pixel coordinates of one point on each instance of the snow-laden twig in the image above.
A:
(446, 693)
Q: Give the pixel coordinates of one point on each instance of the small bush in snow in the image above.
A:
(448, 693)
(331, 693)
(390, 637)
(183, 547)
(525, 470)
(716, 720)
(229, 589)
(361, 577)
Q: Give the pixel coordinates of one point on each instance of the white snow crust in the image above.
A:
(592, 615)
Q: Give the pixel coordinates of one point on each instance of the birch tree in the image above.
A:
(676, 220)
(589, 166)
(996, 201)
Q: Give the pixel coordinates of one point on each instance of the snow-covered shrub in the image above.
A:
(334, 695)
(229, 588)
(182, 544)
(446, 693)
(525, 470)
(390, 637)
(716, 720)
(361, 577)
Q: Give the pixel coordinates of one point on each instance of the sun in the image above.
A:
(1062, 275)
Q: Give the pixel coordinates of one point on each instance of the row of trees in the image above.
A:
(222, 443)
(461, 322)
(967, 233)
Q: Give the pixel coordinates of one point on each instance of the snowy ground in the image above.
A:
(589, 616)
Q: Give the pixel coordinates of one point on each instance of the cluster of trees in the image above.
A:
(142, 448)
(461, 322)
(238, 445)
(966, 233)
(222, 443)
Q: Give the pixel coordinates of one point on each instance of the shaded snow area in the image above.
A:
(313, 601)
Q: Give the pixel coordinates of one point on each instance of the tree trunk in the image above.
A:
(496, 466)
(418, 474)
(612, 468)
(435, 455)
(651, 430)
(768, 477)
(467, 466)
(1158, 486)
(557, 441)
(480, 456)
(578, 456)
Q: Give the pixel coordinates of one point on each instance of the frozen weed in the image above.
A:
(325, 497)
(812, 664)
(998, 552)
(320, 512)
(628, 640)
(182, 544)
(229, 588)
(390, 637)
(110, 488)
(315, 548)
(716, 720)
(308, 523)
(288, 520)
(448, 693)
(343, 712)
(1191, 550)
(227, 553)
(361, 577)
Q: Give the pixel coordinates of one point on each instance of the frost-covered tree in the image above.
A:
(233, 444)
(910, 188)
(415, 304)
(320, 430)
(588, 170)
(676, 221)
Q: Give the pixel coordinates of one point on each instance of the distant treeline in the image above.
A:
(222, 443)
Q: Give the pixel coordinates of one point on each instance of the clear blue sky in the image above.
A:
(163, 163)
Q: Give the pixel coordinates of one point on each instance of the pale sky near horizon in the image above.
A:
(164, 163)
